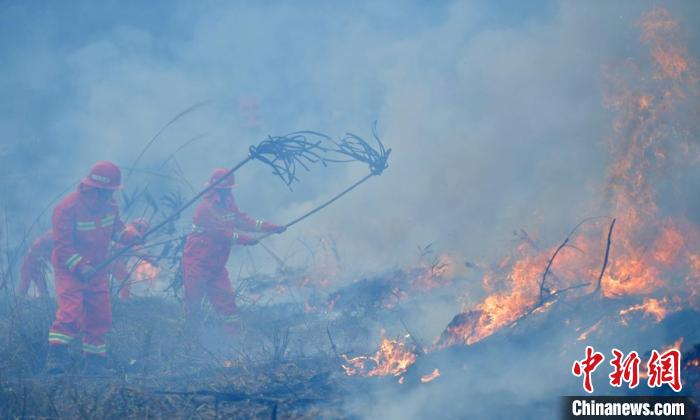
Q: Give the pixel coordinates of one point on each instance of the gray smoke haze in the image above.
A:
(492, 109)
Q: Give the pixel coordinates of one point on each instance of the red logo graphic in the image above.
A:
(626, 370)
(665, 369)
(662, 369)
(587, 366)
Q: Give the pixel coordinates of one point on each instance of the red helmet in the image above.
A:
(141, 225)
(104, 175)
(227, 183)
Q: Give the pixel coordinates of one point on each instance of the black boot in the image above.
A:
(96, 365)
(57, 360)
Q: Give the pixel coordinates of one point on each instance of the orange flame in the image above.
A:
(430, 377)
(650, 253)
(650, 307)
(675, 345)
(659, 30)
(392, 359)
(584, 335)
(145, 271)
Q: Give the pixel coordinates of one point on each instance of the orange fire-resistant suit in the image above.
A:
(84, 225)
(215, 224)
(35, 264)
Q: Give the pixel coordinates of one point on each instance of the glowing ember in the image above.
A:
(331, 303)
(428, 378)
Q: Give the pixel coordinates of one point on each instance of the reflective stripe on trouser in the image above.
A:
(82, 310)
(231, 319)
(99, 349)
(59, 339)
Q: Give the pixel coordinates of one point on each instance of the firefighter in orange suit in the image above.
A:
(84, 225)
(35, 265)
(215, 224)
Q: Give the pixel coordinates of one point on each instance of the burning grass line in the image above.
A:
(547, 299)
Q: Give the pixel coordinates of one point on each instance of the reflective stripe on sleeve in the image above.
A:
(83, 226)
(258, 224)
(73, 261)
(107, 221)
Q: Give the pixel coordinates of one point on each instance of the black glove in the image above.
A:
(86, 272)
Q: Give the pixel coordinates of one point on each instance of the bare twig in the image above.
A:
(551, 260)
(605, 260)
(282, 153)
(413, 338)
(350, 148)
(279, 260)
(549, 265)
(188, 110)
(335, 349)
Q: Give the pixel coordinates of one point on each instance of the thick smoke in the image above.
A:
(492, 109)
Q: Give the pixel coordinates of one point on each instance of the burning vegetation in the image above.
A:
(644, 262)
(654, 253)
